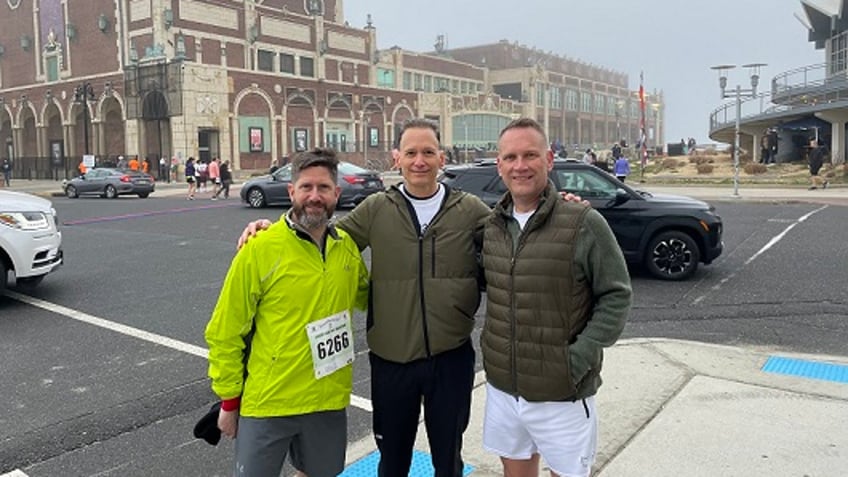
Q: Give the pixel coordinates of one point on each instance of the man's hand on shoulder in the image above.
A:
(569, 197)
(251, 230)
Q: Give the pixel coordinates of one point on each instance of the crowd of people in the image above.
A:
(558, 293)
(217, 172)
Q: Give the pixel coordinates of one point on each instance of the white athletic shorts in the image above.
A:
(564, 433)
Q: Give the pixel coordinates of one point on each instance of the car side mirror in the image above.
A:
(621, 196)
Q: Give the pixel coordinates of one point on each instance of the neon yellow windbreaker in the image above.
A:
(280, 280)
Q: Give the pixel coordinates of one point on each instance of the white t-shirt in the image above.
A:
(522, 217)
(425, 209)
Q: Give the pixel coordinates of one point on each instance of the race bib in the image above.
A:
(331, 342)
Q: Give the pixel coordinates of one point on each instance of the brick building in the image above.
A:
(249, 81)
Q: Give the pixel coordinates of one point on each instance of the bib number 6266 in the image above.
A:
(332, 345)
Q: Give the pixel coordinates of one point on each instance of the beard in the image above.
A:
(311, 219)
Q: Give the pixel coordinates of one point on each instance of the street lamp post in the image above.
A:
(82, 95)
(465, 124)
(738, 94)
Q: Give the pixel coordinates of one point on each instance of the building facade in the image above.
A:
(250, 81)
(805, 103)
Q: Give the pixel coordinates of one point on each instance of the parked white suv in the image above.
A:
(30, 242)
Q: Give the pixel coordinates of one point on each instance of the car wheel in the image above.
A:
(29, 282)
(256, 198)
(4, 274)
(71, 192)
(672, 255)
(143, 195)
(110, 192)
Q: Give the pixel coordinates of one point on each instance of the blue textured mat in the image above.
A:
(421, 466)
(807, 369)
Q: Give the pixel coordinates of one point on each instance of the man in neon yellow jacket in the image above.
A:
(296, 287)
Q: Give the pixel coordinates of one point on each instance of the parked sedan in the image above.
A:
(356, 183)
(110, 183)
(669, 235)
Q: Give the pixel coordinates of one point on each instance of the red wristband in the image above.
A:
(230, 404)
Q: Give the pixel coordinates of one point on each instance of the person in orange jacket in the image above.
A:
(82, 168)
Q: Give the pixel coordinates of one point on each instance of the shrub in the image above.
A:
(701, 160)
(669, 163)
(755, 168)
(705, 168)
(710, 151)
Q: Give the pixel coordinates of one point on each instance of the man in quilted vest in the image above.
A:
(558, 292)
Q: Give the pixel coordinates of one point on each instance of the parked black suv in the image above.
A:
(668, 235)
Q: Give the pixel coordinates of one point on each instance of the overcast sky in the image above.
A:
(673, 41)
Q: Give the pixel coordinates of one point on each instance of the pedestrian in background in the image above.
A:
(622, 168)
(7, 172)
(557, 293)
(190, 178)
(226, 180)
(274, 166)
(296, 286)
(214, 171)
(202, 173)
(816, 159)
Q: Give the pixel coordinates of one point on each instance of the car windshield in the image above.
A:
(283, 173)
(348, 168)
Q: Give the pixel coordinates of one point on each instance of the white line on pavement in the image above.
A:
(771, 243)
(15, 473)
(779, 237)
(356, 401)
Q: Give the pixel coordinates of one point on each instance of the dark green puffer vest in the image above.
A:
(535, 308)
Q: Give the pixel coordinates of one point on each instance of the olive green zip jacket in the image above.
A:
(424, 286)
(558, 292)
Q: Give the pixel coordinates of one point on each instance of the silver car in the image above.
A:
(110, 183)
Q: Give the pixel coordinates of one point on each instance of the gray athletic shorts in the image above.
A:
(317, 443)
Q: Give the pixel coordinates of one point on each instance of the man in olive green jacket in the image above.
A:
(558, 292)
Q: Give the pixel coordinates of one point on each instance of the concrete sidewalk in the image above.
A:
(677, 408)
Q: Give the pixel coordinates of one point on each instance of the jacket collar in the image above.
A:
(547, 200)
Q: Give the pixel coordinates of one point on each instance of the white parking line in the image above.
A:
(771, 243)
(15, 473)
(356, 401)
(779, 237)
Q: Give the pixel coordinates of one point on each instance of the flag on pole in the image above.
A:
(643, 139)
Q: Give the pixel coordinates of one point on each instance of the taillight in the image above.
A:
(353, 179)
(125, 179)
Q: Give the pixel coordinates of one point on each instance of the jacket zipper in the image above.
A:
(513, 308)
(417, 226)
(421, 290)
(433, 255)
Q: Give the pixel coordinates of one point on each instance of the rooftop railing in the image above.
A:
(803, 89)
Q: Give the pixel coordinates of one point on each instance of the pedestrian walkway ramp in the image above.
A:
(421, 466)
(807, 369)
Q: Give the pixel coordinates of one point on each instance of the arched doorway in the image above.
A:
(56, 161)
(156, 142)
(112, 127)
